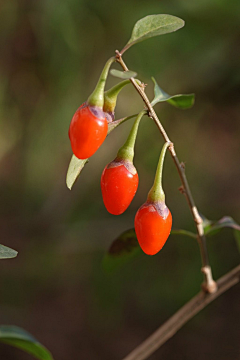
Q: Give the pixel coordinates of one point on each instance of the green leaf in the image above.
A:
(15, 336)
(212, 227)
(205, 222)
(76, 165)
(7, 253)
(180, 101)
(124, 248)
(116, 123)
(153, 25)
(237, 238)
(123, 74)
(184, 232)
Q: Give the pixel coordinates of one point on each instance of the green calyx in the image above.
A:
(110, 96)
(97, 97)
(156, 194)
(126, 152)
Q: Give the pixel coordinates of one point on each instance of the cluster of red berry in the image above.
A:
(119, 182)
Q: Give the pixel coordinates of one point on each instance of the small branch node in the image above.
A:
(209, 286)
(182, 164)
(171, 148)
(143, 86)
(197, 217)
(118, 55)
(182, 190)
(150, 114)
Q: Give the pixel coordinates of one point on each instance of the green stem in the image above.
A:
(126, 152)
(97, 97)
(110, 96)
(156, 193)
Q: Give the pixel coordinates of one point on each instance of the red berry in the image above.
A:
(119, 183)
(87, 131)
(153, 223)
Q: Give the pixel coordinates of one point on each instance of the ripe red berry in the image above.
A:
(153, 223)
(87, 131)
(119, 183)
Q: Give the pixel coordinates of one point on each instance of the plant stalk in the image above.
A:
(209, 285)
(182, 316)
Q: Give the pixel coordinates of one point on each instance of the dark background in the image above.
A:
(51, 54)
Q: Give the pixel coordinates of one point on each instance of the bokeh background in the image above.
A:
(51, 54)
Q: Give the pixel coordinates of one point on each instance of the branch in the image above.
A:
(209, 284)
(182, 316)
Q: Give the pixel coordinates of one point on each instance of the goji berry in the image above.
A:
(153, 223)
(119, 183)
(87, 131)
(153, 220)
(88, 128)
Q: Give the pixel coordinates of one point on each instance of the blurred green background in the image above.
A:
(51, 54)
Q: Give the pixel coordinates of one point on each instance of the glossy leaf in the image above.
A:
(123, 74)
(76, 165)
(212, 227)
(153, 25)
(15, 336)
(180, 101)
(7, 253)
(124, 248)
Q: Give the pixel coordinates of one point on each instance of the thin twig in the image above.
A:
(209, 284)
(182, 316)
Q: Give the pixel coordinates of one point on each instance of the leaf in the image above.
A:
(237, 238)
(124, 248)
(7, 253)
(15, 336)
(153, 25)
(76, 165)
(115, 123)
(184, 232)
(212, 227)
(123, 74)
(180, 101)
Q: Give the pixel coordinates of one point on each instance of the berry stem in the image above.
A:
(126, 152)
(110, 96)
(156, 194)
(97, 97)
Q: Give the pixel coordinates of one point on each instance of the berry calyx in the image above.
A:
(153, 220)
(119, 180)
(88, 128)
(110, 99)
(126, 152)
(97, 97)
